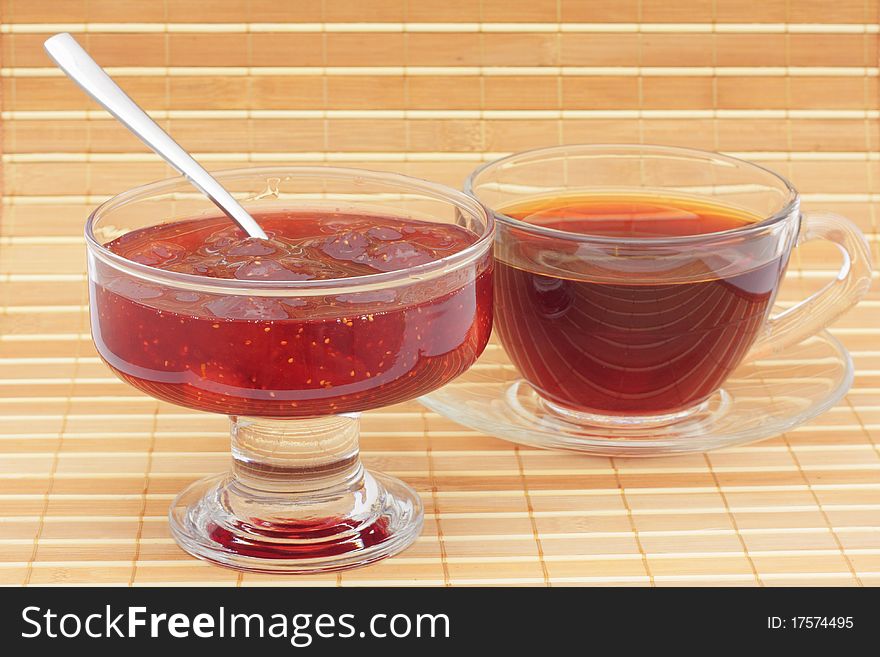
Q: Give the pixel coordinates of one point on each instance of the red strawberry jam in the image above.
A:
(300, 355)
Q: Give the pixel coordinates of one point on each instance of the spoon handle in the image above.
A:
(82, 69)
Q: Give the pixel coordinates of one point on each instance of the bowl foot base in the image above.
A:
(219, 520)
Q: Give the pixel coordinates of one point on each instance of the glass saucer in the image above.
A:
(761, 399)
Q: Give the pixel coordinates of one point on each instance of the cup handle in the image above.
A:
(823, 307)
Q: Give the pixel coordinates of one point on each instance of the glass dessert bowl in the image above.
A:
(373, 289)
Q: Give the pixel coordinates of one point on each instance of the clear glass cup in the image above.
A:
(298, 498)
(642, 332)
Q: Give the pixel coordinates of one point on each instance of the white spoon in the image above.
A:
(82, 69)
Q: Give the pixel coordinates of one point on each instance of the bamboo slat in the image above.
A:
(431, 88)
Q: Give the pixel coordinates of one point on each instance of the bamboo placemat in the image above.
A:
(432, 88)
